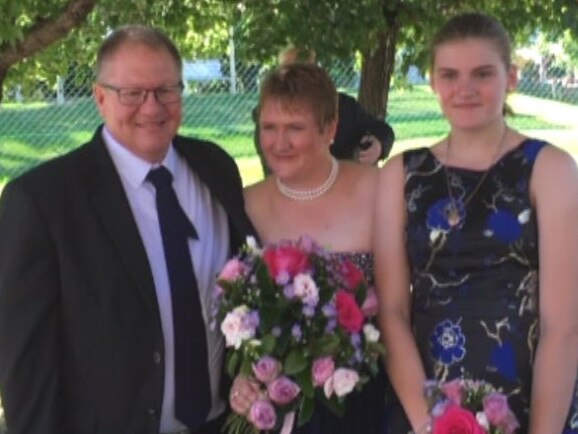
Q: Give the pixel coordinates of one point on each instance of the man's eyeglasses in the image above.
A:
(136, 96)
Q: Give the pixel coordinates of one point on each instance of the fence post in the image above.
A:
(59, 90)
(232, 65)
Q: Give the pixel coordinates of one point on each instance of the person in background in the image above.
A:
(482, 228)
(92, 336)
(359, 136)
(311, 193)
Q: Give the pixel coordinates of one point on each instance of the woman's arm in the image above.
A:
(402, 359)
(554, 189)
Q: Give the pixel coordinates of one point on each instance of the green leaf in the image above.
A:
(305, 410)
(246, 368)
(304, 380)
(268, 344)
(295, 362)
(326, 345)
(232, 362)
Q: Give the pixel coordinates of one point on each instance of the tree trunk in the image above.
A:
(377, 68)
(3, 73)
(43, 33)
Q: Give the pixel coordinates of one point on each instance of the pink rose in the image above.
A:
(282, 390)
(457, 420)
(266, 369)
(288, 259)
(352, 275)
(322, 369)
(498, 412)
(262, 415)
(369, 306)
(453, 390)
(232, 270)
(349, 315)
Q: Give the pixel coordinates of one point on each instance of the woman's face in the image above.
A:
(471, 82)
(292, 142)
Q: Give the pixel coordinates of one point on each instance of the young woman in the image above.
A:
(476, 240)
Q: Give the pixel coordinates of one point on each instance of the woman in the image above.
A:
(311, 193)
(485, 233)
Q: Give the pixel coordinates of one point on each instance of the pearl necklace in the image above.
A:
(312, 193)
(455, 210)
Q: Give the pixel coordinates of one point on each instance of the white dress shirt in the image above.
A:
(209, 254)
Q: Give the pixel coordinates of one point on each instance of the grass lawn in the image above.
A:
(32, 133)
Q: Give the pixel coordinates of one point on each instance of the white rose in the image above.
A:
(344, 381)
(234, 327)
(371, 333)
(306, 289)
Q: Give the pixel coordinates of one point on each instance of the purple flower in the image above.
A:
(329, 310)
(296, 332)
(282, 390)
(282, 278)
(276, 331)
(355, 340)
(289, 292)
(262, 415)
(498, 412)
(308, 311)
(331, 324)
(266, 369)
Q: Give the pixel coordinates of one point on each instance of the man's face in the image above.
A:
(145, 129)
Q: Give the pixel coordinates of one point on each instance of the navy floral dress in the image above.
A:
(474, 271)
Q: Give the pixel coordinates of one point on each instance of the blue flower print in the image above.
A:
(448, 343)
(504, 226)
(437, 214)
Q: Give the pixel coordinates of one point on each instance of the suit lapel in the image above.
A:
(229, 196)
(114, 211)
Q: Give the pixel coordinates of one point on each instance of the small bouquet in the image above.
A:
(466, 406)
(296, 321)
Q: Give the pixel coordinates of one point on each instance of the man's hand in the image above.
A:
(370, 155)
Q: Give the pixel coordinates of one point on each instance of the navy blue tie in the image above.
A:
(192, 390)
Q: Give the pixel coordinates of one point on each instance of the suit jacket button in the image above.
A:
(152, 412)
(157, 357)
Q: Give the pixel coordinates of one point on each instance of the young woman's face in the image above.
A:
(291, 140)
(471, 82)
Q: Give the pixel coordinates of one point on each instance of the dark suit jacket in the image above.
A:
(81, 343)
(354, 123)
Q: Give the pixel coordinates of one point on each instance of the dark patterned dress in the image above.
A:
(474, 272)
(365, 411)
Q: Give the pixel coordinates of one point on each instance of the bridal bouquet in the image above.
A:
(297, 321)
(467, 406)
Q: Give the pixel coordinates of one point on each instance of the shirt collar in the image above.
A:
(131, 167)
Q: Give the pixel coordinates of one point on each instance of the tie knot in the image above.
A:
(160, 177)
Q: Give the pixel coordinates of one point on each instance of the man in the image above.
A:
(88, 323)
(359, 136)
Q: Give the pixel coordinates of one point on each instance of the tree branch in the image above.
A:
(45, 32)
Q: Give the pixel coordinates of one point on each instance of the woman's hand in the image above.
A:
(243, 393)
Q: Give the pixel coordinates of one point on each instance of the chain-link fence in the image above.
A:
(45, 120)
